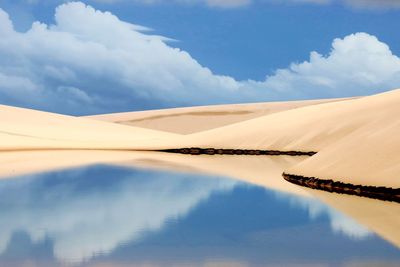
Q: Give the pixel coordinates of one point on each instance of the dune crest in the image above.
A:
(196, 119)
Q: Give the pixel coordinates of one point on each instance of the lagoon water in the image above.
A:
(114, 216)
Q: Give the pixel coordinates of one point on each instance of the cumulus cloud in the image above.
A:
(107, 60)
(91, 62)
(358, 64)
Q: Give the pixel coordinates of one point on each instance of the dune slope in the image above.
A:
(357, 140)
(369, 155)
(25, 129)
(310, 128)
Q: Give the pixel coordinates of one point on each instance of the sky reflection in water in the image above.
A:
(111, 216)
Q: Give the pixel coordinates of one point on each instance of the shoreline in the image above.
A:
(220, 151)
(375, 192)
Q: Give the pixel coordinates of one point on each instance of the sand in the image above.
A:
(196, 119)
(367, 156)
(334, 129)
(24, 129)
(357, 140)
(310, 128)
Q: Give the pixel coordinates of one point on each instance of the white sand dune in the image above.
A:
(310, 128)
(196, 119)
(24, 129)
(333, 129)
(358, 140)
(369, 155)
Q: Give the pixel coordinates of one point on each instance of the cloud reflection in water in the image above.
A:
(103, 214)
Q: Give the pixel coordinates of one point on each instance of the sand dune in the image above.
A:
(333, 129)
(24, 129)
(310, 128)
(195, 119)
(358, 140)
(367, 156)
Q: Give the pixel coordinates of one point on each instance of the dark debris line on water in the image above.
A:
(214, 151)
(375, 192)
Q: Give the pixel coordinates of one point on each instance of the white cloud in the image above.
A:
(357, 64)
(97, 53)
(90, 61)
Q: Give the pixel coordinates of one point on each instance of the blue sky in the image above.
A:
(243, 44)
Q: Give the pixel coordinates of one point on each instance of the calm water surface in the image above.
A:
(112, 216)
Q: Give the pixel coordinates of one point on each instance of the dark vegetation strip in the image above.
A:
(213, 151)
(376, 192)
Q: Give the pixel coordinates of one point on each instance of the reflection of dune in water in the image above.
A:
(339, 222)
(381, 217)
(82, 216)
(106, 213)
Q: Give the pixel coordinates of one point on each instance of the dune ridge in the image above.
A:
(190, 120)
